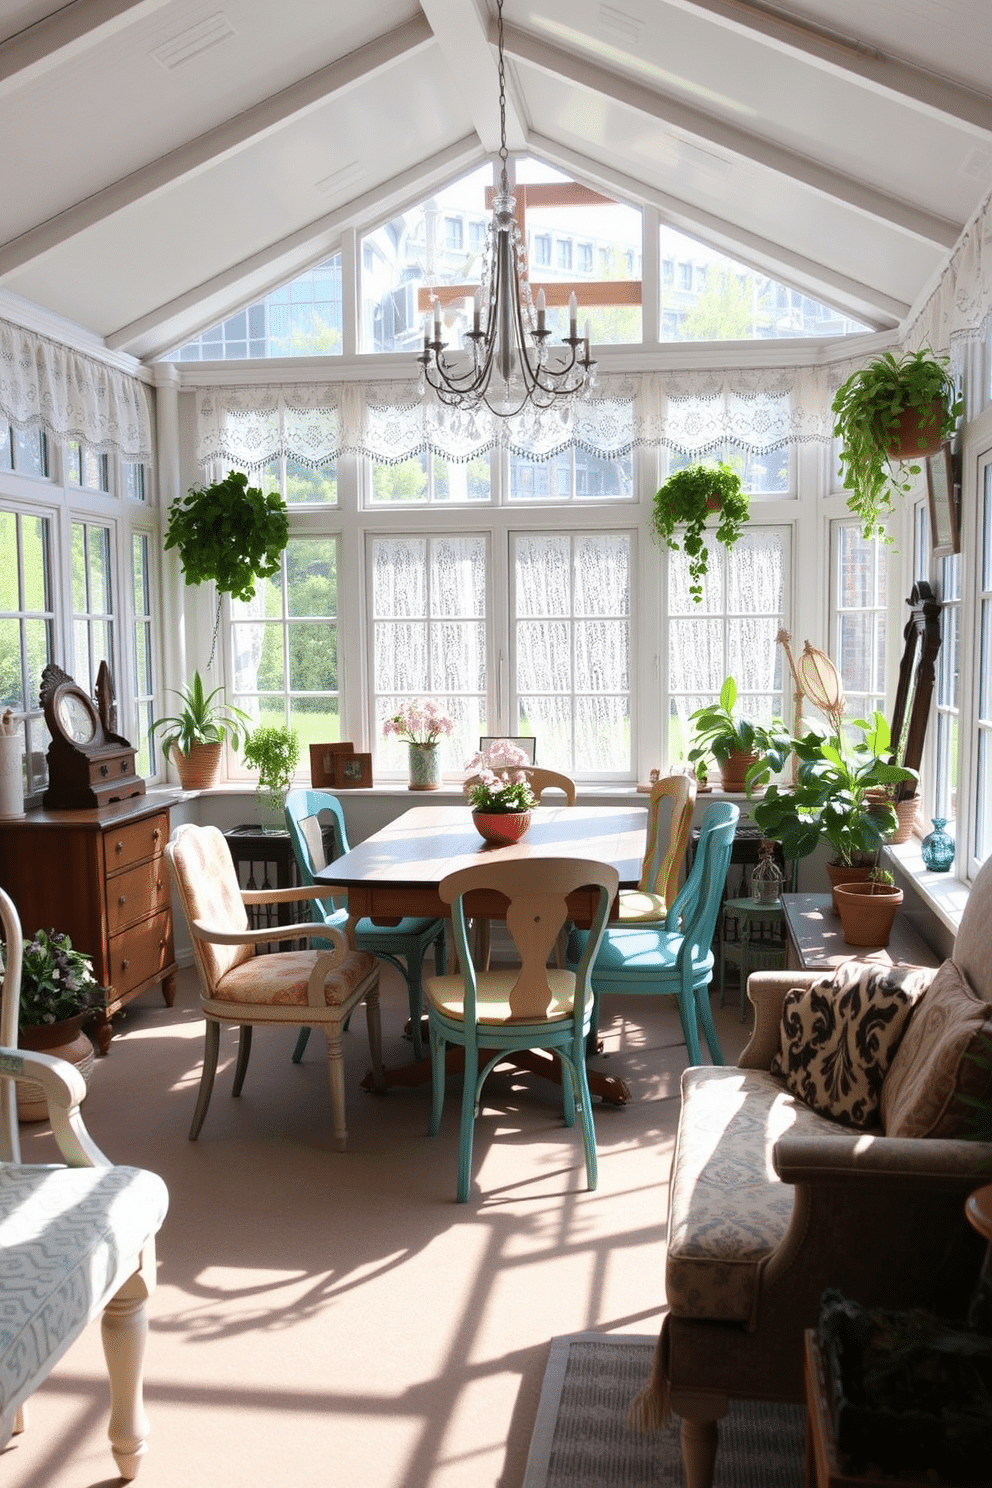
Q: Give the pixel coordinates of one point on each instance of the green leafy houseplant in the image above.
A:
(721, 733)
(229, 533)
(274, 751)
(685, 501)
(868, 408)
(838, 796)
(201, 720)
(57, 982)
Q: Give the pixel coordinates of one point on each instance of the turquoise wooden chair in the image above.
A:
(405, 944)
(525, 1006)
(676, 960)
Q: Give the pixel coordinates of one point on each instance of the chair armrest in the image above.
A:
(766, 990)
(288, 896)
(266, 934)
(64, 1088)
(861, 1157)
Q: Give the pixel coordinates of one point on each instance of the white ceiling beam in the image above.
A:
(863, 301)
(697, 124)
(229, 138)
(65, 34)
(462, 33)
(243, 283)
(928, 92)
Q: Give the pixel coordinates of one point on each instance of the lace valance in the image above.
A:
(44, 385)
(757, 410)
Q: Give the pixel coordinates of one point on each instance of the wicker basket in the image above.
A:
(200, 769)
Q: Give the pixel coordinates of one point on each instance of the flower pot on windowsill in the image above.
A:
(501, 828)
(733, 772)
(200, 768)
(867, 911)
(425, 766)
(843, 873)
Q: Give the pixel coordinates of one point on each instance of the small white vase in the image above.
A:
(11, 775)
(425, 766)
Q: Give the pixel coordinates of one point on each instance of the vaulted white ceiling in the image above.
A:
(167, 161)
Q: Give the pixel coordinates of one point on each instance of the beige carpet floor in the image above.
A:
(326, 1318)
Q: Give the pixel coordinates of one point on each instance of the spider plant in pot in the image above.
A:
(895, 409)
(740, 747)
(274, 751)
(839, 797)
(195, 735)
(682, 507)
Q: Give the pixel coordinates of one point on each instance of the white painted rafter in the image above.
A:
(928, 92)
(65, 34)
(697, 124)
(463, 34)
(234, 135)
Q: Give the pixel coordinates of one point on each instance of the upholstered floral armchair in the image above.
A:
(772, 1201)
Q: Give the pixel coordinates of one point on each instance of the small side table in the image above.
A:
(256, 855)
(754, 953)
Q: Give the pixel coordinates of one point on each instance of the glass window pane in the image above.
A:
(9, 589)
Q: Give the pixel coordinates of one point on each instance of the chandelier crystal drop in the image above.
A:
(507, 365)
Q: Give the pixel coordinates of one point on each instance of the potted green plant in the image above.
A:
(739, 746)
(195, 735)
(274, 751)
(683, 505)
(839, 796)
(895, 409)
(228, 533)
(59, 994)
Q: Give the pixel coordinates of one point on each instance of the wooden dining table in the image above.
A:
(398, 870)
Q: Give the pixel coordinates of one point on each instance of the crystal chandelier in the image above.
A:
(508, 364)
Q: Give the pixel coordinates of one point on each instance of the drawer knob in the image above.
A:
(122, 900)
(158, 886)
(118, 847)
(125, 964)
(156, 835)
(104, 770)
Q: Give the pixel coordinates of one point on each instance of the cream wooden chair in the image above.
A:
(660, 871)
(77, 1240)
(542, 780)
(312, 988)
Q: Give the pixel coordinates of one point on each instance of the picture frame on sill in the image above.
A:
(352, 771)
(945, 537)
(526, 742)
(322, 758)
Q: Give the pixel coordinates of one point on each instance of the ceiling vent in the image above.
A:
(617, 26)
(189, 44)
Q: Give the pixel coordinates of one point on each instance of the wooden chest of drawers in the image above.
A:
(100, 876)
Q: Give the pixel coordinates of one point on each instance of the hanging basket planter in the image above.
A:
(917, 432)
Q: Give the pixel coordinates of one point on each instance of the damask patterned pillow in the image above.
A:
(936, 1064)
(839, 1036)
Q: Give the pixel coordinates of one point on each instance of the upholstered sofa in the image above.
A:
(771, 1201)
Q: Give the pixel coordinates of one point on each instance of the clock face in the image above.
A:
(76, 719)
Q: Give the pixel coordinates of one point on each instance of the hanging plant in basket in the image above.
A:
(228, 533)
(897, 409)
(683, 505)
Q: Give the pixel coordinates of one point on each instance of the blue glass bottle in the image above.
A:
(937, 848)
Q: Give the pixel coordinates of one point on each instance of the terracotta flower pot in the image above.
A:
(907, 813)
(734, 771)
(867, 911)
(502, 828)
(844, 873)
(912, 439)
(64, 1040)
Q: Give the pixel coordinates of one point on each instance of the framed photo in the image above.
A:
(945, 536)
(527, 743)
(352, 771)
(322, 757)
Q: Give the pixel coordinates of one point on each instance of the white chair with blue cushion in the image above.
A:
(75, 1241)
(404, 944)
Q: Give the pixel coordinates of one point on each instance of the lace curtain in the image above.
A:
(757, 410)
(71, 396)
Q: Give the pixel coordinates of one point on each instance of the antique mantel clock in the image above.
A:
(88, 764)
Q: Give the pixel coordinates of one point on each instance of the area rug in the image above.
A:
(581, 1439)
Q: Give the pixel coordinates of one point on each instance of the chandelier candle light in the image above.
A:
(509, 365)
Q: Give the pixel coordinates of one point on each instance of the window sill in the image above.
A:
(943, 894)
